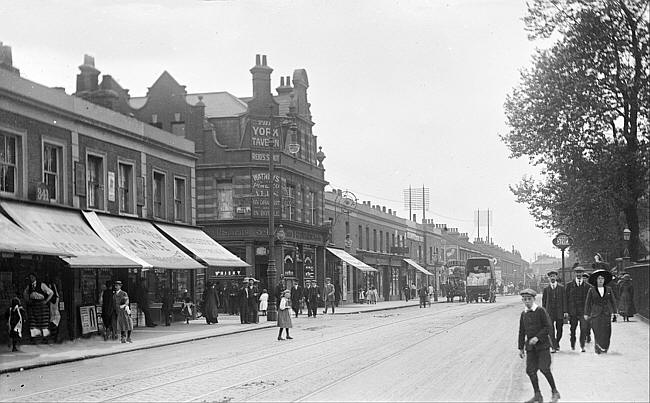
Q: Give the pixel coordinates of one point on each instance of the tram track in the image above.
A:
(121, 387)
(369, 357)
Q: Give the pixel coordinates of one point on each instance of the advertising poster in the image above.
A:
(88, 319)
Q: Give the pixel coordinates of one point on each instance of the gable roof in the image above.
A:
(219, 104)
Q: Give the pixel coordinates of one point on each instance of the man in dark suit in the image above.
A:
(252, 295)
(296, 297)
(554, 302)
(313, 295)
(576, 294)
(243, 304)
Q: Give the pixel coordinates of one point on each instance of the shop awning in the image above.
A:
(66, 230)
(142, 240)
(16, 240)
(201, 245)
(417, 266)
(348, 258)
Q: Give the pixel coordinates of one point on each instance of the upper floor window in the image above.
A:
(367, 238)
(374, 239)
(95, 182)
(225, 210)
(312, 208)
(290, 202)
(381, 241)
(125, 188)
(52, 168)
(360, 237)
(7, 163)
(158, 194)
(179, 199)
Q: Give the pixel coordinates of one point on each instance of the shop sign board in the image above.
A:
(88, 319)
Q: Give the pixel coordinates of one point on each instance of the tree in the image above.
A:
(581, 114)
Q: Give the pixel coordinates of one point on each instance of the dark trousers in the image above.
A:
(312, 306)
(329, 303)
(539, 360)
(557, 324)
(243, 314)
(574, 321)
(233, 305)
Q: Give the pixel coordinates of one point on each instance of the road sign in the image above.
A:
(562, 241)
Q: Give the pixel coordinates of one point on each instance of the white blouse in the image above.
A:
(601, 291)
(283, 304)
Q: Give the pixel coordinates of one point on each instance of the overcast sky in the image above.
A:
(402, 92)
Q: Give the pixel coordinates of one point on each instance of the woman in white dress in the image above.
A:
(264, 302)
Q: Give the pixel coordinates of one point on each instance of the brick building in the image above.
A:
(100, 195)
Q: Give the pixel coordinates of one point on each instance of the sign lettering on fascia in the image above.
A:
(414, 237)
(264, 135)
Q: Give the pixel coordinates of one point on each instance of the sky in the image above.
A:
(403, 93)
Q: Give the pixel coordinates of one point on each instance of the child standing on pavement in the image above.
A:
(187, 308)
(16, 319)
(535, 343)
(284, 317)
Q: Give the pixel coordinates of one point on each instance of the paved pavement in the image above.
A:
(33, 356)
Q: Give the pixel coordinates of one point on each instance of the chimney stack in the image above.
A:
(6, 60)
(262, 97)
(87, 80)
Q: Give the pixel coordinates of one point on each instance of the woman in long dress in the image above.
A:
(284, 317)
(626, 306)
(600, 306)
(264, 302)
(211, 304)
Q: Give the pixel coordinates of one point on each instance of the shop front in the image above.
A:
(86, 263)
(363, 278)
(420, 276)
(167, 271)
(223, 268)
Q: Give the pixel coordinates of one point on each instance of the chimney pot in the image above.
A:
(257, 60)
(288, 81)
(263, 60)
(281, 81)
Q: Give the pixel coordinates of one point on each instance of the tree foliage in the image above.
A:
(581, 113)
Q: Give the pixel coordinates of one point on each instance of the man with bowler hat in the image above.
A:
(534, 343)
(576, 294)
(554, 302)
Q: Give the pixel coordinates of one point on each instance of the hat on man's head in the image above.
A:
(552, 271)
(528, 292)
(327, 278)
(578, 269)
(118, 282)
(586, 275)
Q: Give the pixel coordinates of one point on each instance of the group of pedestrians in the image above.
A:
(42, 316)
(116, 312)
(590, 305)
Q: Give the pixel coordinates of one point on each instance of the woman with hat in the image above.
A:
(626, 306)
(599, 308)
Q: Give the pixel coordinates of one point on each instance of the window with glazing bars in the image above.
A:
(7, 163)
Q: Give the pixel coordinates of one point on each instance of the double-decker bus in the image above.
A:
(480, 283)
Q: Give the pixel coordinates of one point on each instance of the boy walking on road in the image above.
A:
(534, 342)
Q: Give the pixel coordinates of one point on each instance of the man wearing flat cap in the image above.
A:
(576, 294)
(554, 302)
(534, 342)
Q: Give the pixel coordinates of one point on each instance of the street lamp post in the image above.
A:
(626, 251)
(271, 270)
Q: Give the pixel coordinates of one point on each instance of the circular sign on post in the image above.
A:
(562, 241)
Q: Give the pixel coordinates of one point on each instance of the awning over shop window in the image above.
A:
(16, 240)
(142, 240)
(348, 258)
(66, 230)
(204, 247)
(417, 266)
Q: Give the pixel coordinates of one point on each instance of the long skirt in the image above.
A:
(39, 315)
(602, 327)
(284, 319)
(124, 322)
(626, 305)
